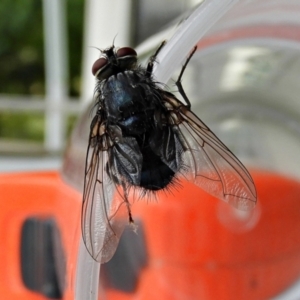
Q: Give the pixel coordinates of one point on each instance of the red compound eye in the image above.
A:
(99, 64)
(126, 51)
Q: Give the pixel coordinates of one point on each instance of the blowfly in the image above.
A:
(143, 137)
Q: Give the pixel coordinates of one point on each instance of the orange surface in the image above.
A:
(34, 194)
(198, 247)
(201, 248)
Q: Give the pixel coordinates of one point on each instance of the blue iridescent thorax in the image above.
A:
(127, 102)
(120, 90)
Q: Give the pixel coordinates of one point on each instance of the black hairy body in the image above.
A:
(143, 137)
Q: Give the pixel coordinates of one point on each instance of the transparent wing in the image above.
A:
(102, 210)
(208, 162)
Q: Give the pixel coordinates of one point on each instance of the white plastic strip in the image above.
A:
(188, 35)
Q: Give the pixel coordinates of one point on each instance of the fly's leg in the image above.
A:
(133, 226)
(130, 219)
(152, 59)
(178, 82)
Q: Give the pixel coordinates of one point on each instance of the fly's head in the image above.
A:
(113, 61)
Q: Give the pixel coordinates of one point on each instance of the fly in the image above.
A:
(143, 137)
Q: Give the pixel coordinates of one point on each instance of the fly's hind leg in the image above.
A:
(130, 219)
(152, 59)
(178, 82)
(133, 226)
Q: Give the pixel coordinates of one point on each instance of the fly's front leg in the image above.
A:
(178, 82)
(153, 58)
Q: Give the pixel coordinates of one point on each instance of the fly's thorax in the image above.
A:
(130, 102)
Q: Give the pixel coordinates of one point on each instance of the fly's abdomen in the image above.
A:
(155, 174)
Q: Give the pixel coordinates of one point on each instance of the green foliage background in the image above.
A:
(22, 60)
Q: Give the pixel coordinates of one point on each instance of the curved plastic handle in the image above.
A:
(188, 35)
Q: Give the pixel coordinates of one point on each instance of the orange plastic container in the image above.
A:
(201, 248)
(197, 246)
(41, 195)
